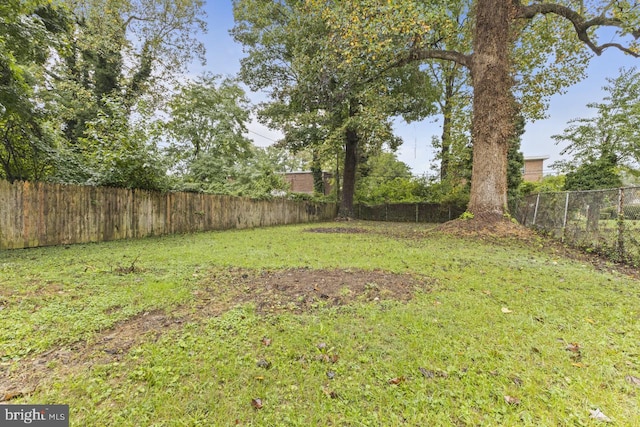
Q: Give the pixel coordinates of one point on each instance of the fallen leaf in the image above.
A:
(633, 380)
(331, 375)
(512, 400)
(574, 346)
(590, 321)
(11, 396)
(505, 310)
(427, 374)
(578, 365)
(266, 341)
(486, 292)
(333, 358)
(598, 415)
(329, 393)
(259, 378)
(321, 346)
(256, 403)
(263, 363)
(396, 380)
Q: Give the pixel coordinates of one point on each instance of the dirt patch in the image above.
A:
(494, 227)
(302, 289)
(294, 290)
(343, 230)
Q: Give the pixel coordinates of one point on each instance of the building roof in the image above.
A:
(536, 157)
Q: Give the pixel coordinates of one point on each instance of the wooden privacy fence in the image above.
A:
(43, 214)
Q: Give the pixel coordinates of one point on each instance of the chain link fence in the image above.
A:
(605, 221)
(408, 212)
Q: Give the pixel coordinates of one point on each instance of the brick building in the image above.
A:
(302, 182)
(533, 168)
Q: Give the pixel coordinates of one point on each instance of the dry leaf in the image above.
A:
(330, 393)
(578, 365)
(633, 380)
(263, 363)
(11, 396)
(266, 341)
(590, 321)
(427, 374)
(333, 358)
(486, 292)
(396, 380)
(331, 375)
(574, 346)
(598, 415)
(256, 403)
(505, 310)
(512, 400)
(322, 346)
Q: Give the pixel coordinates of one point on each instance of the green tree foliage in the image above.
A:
(207, 118)
(124, 49)
(256, 175)
(548, 184)
(605, 145)
(592, 175)
(105, 85)
(113, 152)
(385, 179)
(29, 33)
(320, 99)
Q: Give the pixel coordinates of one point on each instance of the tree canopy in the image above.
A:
(610, 140)
(319, 97)
(383, 34)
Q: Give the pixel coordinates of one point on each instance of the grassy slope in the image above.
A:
(205, 373)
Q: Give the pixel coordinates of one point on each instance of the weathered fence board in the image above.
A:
(43, 214)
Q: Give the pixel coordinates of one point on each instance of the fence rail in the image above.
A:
(43, 214)
(603, 220)
(408, 212)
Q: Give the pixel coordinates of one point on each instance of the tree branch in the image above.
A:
(448, 55)
(580, 24)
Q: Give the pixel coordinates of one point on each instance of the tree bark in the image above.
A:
(349, 174)
(493, 107)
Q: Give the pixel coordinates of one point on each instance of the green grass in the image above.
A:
(206, 371)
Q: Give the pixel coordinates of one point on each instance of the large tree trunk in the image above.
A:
(492, 107)
(349, 174)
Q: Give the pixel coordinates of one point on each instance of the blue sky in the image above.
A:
(223, 56)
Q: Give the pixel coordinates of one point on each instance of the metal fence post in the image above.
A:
(620, 220)
(535, 211)
(566, 212)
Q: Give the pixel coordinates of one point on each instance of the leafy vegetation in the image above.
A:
(130, 334)
(605, 146)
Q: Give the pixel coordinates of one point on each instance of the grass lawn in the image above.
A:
(334, 324)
